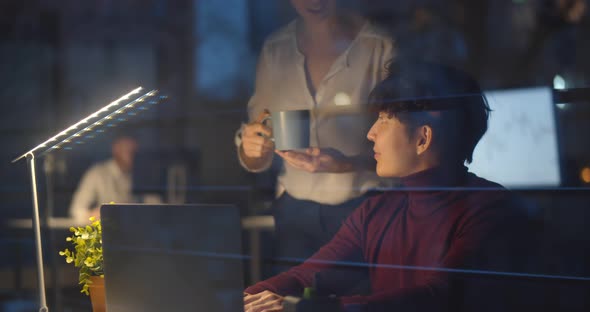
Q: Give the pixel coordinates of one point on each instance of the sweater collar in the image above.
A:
(436, 177)
(430, 190)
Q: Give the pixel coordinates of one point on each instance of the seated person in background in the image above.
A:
(107, 181)
(442, 217)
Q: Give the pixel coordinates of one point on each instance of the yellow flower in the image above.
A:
(87, 252)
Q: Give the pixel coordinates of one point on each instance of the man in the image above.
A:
(413, 241)
(106, 181)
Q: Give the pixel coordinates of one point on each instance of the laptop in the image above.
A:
(172, 257)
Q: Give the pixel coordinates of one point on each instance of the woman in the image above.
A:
(326, 60)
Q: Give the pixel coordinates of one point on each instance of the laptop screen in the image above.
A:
(172, 257)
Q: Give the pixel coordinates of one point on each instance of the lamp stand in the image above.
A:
(37, 229)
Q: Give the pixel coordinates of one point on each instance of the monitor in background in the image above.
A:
(172, 257)
(165, 174)
(520, 148)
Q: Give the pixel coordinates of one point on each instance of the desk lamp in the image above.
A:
(84, 130)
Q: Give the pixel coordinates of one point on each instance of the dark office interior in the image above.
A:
(63, 60)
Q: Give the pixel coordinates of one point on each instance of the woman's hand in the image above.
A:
(316, 159)
(256, 142)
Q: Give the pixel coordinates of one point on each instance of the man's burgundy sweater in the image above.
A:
(412, 240)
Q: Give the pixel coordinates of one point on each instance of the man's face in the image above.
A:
(124, 152)
(314, 9)
(394, 150)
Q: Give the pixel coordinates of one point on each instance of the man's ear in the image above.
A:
(424, 139)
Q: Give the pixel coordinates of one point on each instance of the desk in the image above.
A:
(257, 223)
(253, 224)
(52, 223)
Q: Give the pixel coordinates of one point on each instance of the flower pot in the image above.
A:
(97, 294)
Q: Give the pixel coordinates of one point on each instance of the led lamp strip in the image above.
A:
(107, 116)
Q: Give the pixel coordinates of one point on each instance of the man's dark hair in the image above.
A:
(124, 131)
(448, 100)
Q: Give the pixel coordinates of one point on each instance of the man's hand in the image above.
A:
(256, 141)
(95, 212)
(318, 160)
(265, 301)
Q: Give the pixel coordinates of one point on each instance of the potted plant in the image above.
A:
(87, 256)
